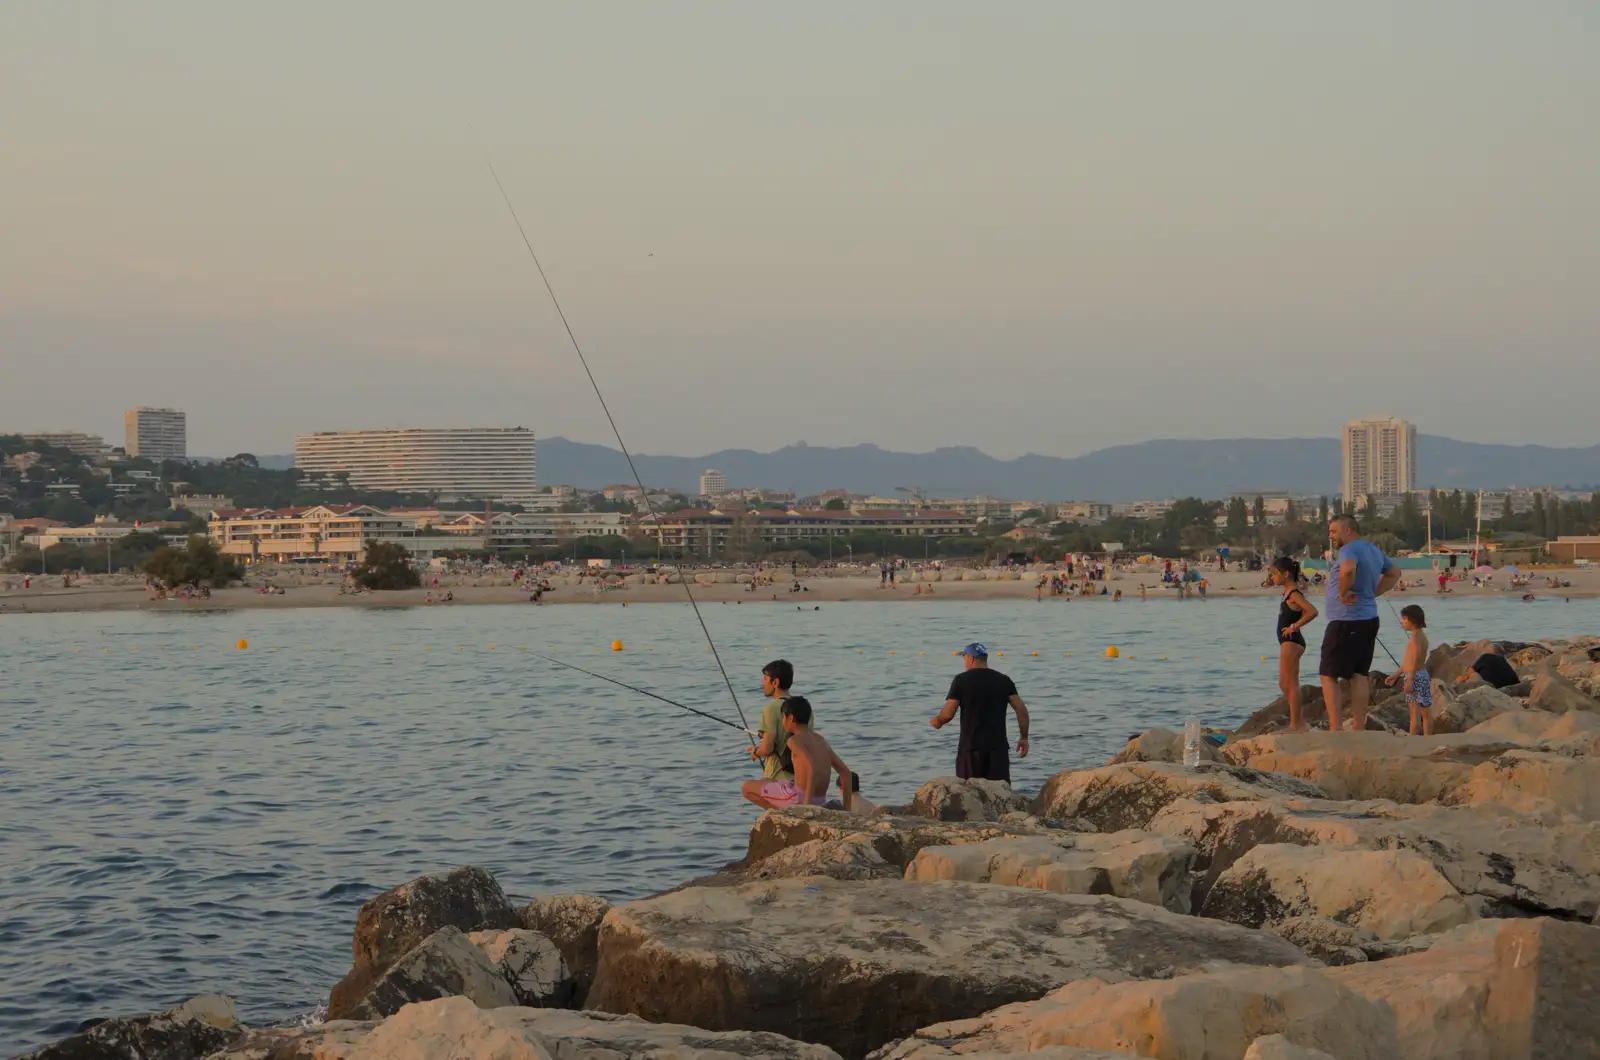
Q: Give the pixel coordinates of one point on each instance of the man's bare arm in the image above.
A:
(945, 716)
(1022, 725)
(845, 787)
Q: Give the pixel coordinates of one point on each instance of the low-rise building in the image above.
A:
(1570, 549)
(1090, 512)
(90, 446)
(200, 503)
(328, 532)
(709, 532)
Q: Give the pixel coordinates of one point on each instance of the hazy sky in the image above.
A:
(1043, 227)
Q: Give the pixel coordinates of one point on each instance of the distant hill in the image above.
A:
(1164, 468)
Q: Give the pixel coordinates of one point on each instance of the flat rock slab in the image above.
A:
(1393, 894)
(1507, 863)
(456, 1029)
(1214, 1016)
(1492, 990)
(1132, 864)
(1129, 795)
(857, 964)
(896, 838)
(1539, 785)
(1371, 765)
(1160, 745)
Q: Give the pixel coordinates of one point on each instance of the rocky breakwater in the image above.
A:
(1350, 894)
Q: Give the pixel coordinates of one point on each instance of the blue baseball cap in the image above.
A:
(976, 650)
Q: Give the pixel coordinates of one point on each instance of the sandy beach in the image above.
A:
(302, 589)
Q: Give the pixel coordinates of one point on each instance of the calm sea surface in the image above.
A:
(178, 816)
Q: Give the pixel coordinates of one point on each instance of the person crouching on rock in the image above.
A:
(813, 761)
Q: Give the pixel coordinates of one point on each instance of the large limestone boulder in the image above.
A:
(1328, 941)
(572, 922)
(1556, 694)
(896, 838)
(1491, 990)
(1499, 860)
(1131, 864)
(1542, 786)
(1464, 713)
(856, 964)
(954, 799)
(1274, 717)
(392, 924)
(445, 964)
(1160, 745)
(852, 857)
(531, 963)
(1525, 727)
(1128, 795)
(195, 1028)
(1370, 765)
(1447, 662)
(1211, 1016)
(1391, 893)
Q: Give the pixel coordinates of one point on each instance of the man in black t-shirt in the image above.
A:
(1493, 668)
(982, 696)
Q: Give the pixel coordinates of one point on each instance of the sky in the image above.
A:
(1028, 227)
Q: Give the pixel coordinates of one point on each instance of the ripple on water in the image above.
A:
(179, 821)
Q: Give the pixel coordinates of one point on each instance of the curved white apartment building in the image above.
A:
(457, 463)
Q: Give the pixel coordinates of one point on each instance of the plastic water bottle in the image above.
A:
(1191, 743)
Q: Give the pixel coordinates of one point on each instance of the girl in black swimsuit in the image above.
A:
(1294, 611)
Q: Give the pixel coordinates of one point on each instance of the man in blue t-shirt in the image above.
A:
(1361, 575)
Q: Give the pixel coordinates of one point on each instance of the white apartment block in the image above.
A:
(455, 463)
(1380, 458)
(91, 446)
(156, 434)
(713, 483)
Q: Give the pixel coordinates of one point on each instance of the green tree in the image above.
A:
(836, 504)
(1536, 524)
(1412, 529)
(1506, 512)
(1259, 510)
(386, 565)
(1552, 518)
(199, 563)
(1238, 520)
(1322, 513)
(1290, 514)
(1370, 510)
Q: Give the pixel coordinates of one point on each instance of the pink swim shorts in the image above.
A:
(784, 793)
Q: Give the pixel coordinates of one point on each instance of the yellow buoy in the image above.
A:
(242, 645)
(1263, 658)
(134, 648)
(1000, 654)
(427, 649)
(1163, 658)
(77, 651)
(1112, 652)
(491, 647)
(922, 653)
(891, 653)
(649, 649)
(1034, 654)
(616, 645)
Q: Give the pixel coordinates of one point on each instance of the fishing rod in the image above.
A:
(652, 695)
(638, 480)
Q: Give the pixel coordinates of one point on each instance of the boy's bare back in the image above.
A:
(814, 763)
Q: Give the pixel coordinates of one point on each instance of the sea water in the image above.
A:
(179, 816)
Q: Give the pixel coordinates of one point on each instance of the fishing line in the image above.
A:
(638, 480)
(652, 695)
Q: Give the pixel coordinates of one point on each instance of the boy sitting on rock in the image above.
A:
(813, 762)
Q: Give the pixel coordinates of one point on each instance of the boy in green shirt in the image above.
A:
(776, 677)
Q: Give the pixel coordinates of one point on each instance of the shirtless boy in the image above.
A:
(814, 761)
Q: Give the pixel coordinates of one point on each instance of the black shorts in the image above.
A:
(984, 765)
(1347, 648)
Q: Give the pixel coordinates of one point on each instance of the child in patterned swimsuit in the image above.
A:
(1418, 686)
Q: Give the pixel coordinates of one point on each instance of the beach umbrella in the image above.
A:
(1511, 570)
(1483, 568)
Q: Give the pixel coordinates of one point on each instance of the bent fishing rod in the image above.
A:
(645, 692)
(638, 480)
